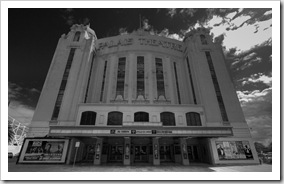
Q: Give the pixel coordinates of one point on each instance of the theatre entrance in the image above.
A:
(195, 153)
(115, 153)
(166, 153)
(167, 149)
(141, 153)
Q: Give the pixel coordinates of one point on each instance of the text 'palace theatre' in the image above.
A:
(138, 98)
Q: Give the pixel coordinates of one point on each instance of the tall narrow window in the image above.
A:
(191, 82)
(141, 117)
(193, 119)
(178, 93)
(103, 83)
(160, 77)
(216, 86)
(88, 118)
(203, 40)
(120, 77)
(89, 78)
(114, 118)
(168, 118)
(77, 36)
(140, 76)
(63, 85)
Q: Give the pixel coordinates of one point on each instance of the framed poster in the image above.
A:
(233, 150)
(44, 151)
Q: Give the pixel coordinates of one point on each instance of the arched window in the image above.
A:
(88, 118)
(114, 118)
(203, 40)
(168, 118)
(77, 36)
(193, 119)
(141, 117)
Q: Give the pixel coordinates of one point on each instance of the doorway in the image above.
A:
(166, 153)
(90, 152)
(115, 153)
(141, 153)
(193, 153)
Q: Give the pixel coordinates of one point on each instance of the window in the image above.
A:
(120, 77)
(114, 118)
(89, 78)
(168, 118)
(216, 87)
(193, 119)
(103, 84)
(191, 82)
(141, 117)
(88, 118)
(77, 36)
(63, 85)
(178, 93)
(140, 76)
(203, 40)
(160, 77)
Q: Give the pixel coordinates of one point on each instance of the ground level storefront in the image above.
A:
(137, 150)
(133, 146)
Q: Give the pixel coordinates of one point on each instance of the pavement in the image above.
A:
(170, 167)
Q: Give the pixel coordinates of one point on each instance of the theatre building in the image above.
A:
(140, 98)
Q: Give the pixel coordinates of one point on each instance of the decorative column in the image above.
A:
(184, 155)
(126, 155)
(156, 151)
(98, 151)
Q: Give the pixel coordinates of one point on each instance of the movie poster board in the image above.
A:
(44, 151)
(233, 150)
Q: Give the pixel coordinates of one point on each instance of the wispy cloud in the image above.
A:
(257, 108)
(255, 78)
(21, 105)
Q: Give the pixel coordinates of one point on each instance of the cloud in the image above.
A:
(241, 25)
(250, 65)
(172, 11)
(255, 78)
(257, 108)
(21, 113)
(22, 104)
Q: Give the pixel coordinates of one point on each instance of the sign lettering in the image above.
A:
(141, 41)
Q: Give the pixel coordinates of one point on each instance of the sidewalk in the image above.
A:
(13, 167)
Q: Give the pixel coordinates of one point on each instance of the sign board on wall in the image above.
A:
(233, 150)
(44, 151)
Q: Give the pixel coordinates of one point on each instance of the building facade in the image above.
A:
(142, 98)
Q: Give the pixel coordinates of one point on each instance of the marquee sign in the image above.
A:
(133, 132)
(140, 41)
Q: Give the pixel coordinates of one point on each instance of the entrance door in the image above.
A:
(90, 152)
(165, 153)
(141, 154)
(192, 151)
(116, 153)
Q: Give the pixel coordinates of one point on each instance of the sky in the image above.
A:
(245, 34)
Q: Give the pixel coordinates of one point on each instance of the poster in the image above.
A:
(44, 150)
(233, 150)
(247, 150)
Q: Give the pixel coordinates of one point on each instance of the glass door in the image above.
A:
(141, 154)
(192, 151)
(165, 153)
(116, 153)
(90, 152)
